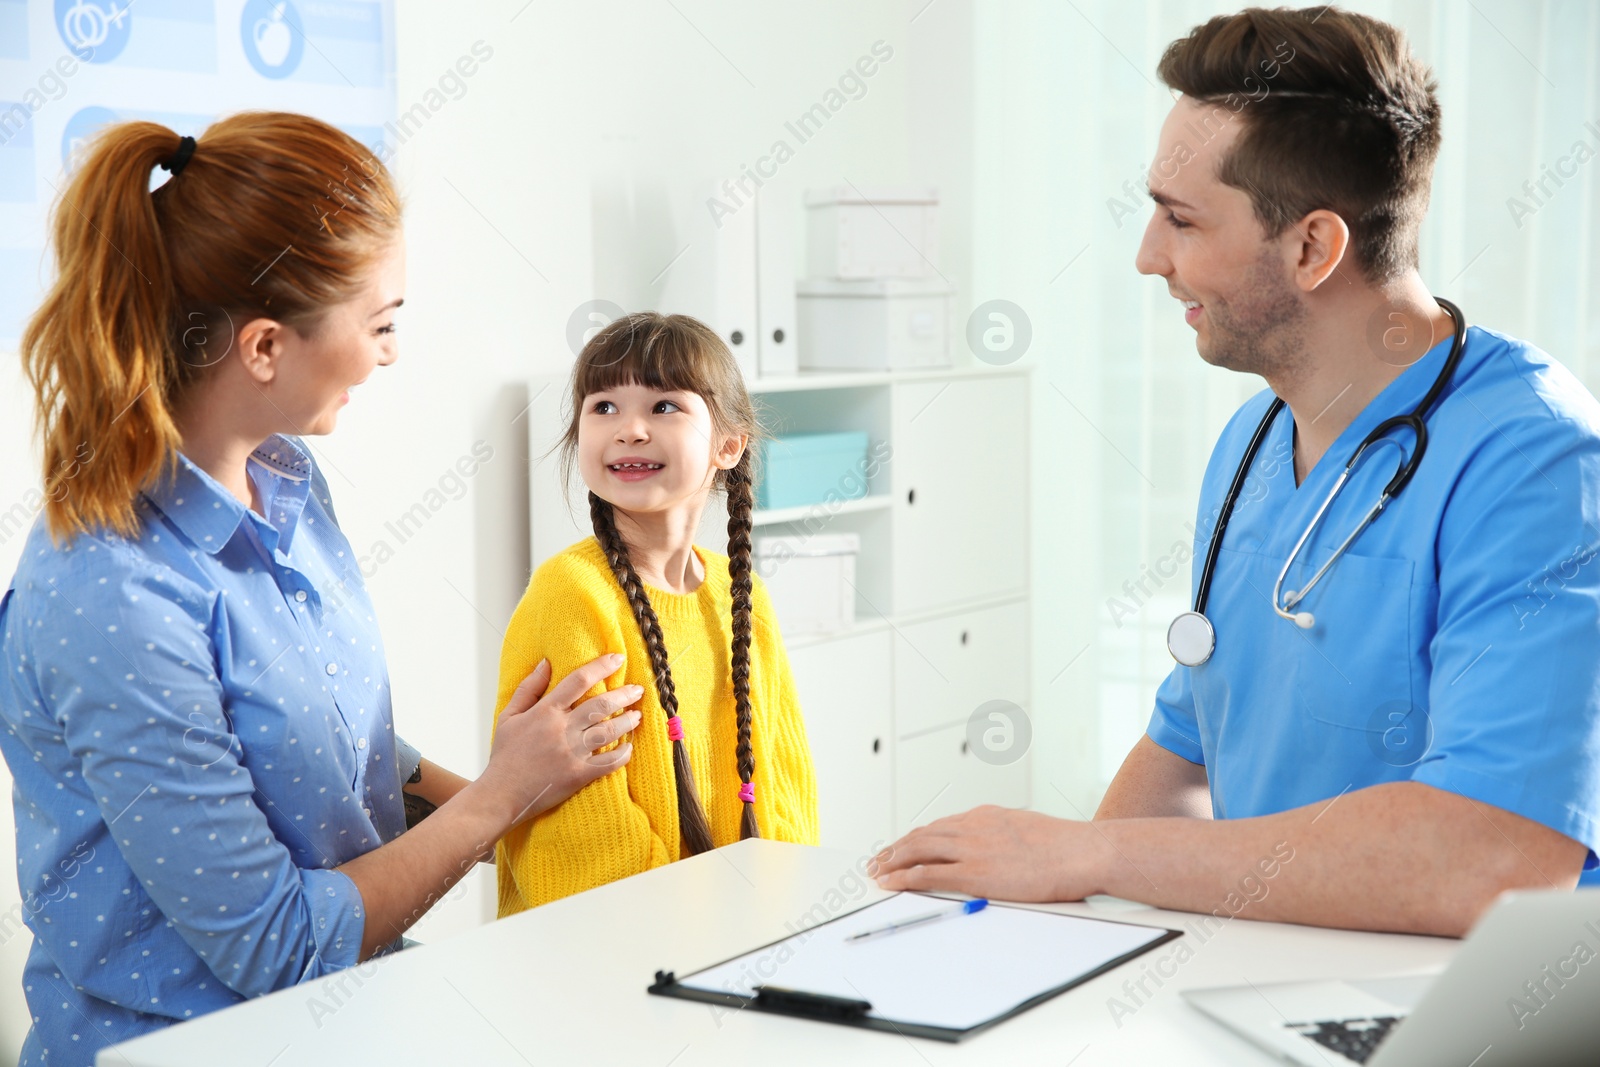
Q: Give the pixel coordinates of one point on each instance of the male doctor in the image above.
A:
(1430, 735)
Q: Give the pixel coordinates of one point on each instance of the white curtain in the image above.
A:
(1125, 413)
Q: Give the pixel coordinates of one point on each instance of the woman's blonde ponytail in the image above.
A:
(98, 352)
(273, 214)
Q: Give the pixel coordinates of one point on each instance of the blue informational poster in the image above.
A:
(68, 67)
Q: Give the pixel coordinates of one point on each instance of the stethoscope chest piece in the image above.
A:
(1191, 639)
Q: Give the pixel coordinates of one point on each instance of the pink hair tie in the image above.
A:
(674, 728)
(747, 792)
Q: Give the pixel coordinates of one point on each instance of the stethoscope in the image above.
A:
(1191, 638)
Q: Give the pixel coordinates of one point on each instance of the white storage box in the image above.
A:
(878, 324)
(872, 233)
(811, 580)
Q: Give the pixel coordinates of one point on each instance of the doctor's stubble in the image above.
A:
(1261, 329)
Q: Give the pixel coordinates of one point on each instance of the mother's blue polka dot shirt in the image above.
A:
(198, 723)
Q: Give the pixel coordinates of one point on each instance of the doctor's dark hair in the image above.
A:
(274, 215)
(673, 353)
(1338, 115)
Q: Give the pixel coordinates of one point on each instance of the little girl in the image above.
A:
(660, 418)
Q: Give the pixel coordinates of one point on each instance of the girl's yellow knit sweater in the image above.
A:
(627, 822)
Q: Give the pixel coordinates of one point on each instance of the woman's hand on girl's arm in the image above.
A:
(544, 751)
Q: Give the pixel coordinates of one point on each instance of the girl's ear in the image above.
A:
(727, 457)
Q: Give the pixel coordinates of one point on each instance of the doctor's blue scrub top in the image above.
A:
(1456, 643)
(198, 725)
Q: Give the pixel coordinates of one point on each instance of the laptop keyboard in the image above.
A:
(1354, 1039)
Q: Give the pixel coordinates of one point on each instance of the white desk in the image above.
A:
(565, 984)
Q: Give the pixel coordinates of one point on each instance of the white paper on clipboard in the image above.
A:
(956, 973)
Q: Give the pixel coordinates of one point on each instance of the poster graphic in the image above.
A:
(70, 67)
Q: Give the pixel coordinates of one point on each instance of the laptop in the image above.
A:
(1523, 989)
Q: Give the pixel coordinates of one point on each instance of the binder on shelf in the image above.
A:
(713, 277)
(1011, 959)
(775, 276)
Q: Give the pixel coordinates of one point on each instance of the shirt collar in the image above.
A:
(209, 515)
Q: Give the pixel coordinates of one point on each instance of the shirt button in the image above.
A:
(361, 743)
(300, 596)
(333, 668)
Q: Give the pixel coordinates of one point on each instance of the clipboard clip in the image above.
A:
(781, 1000)
(816, 1005)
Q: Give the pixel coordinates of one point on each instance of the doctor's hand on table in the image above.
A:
(1400, 856)
(1002, 853)
(546, 749)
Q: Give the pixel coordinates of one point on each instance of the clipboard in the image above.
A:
(945, 981)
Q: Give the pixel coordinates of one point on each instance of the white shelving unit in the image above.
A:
(941, 586)
(775, 516)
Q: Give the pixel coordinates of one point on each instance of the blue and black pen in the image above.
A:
(968, 908)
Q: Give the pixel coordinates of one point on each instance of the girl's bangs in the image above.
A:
(632, 353)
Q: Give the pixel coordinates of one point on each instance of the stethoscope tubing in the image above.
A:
(1203, 593)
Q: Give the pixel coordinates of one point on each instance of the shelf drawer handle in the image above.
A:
(911, 496)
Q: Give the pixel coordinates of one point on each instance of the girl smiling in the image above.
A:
(661, 419)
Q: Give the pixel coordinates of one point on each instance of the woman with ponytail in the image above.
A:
(211, 800)
(660, 420)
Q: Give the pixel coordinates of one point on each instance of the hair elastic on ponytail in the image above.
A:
(179, 159)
